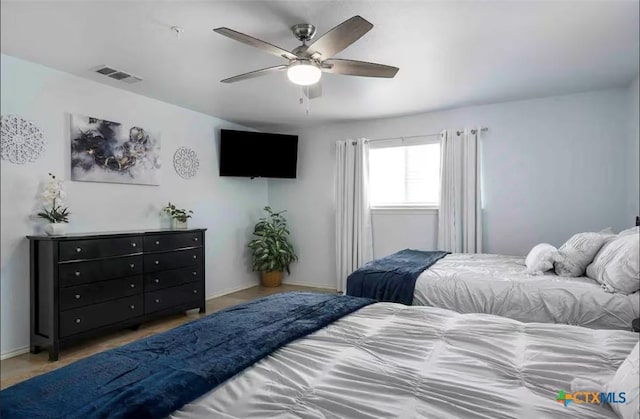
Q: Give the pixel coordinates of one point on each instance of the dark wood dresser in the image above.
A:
(85, 284)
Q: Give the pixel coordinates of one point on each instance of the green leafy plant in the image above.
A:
(53, 196)
(56, 214)
(179, 214)
(271, 249)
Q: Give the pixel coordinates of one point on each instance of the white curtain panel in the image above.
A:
(472, 194)
(460, 216)
(354, 244)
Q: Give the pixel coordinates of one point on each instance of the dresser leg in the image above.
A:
(34, 349)
(54, 352)
(203, 309)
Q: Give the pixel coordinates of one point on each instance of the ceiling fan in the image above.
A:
(308, 62)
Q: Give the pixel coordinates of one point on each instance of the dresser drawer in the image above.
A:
(169, 297)
(97, 248)
(97, 292)
(90, 317)
(172, 277)
(76, 273)
(160, 242)
(170, 260)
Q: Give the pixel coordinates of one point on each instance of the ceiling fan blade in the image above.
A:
(340, 37)
(255, 42)
(257, 73)
(358, 68)
(314, 91)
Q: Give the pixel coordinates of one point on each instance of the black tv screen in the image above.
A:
(258, 154)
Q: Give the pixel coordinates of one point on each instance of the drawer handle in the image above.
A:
(132, 307)
(195, 273)
(195, 291)
(78, 320)
(78, 250)
(157, 242)
(195, 239)
(157, 262)
(133, 245)
(77, 273)
(195, 256)
(77, 296)
(133, 285)
(157, 281)
(133, 265)
(157, 300)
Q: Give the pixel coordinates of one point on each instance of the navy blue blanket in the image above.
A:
(152, 377)
(392, 278)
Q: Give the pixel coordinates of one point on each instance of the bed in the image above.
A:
(389, 360)
(381, 360)
(496, 284)
(492, 284)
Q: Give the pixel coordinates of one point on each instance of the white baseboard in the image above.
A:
(231, 291)
(307, 284)
(13, 353)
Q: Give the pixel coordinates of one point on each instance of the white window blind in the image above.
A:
(402, 175)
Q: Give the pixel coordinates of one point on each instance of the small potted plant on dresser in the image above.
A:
(271, 250)
(56, 214)
(178, 216)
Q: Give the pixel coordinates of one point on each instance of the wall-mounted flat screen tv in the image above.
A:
(258, 154)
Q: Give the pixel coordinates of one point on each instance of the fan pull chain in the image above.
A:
(305, 94)
(308, 100)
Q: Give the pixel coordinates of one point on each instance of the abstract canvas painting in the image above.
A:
(105, 151)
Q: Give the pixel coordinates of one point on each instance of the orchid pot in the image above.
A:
(55, 229)
(179, 225)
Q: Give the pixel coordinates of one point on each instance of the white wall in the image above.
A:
(551, 167)
(633, 177)
(228, 207)
(395, 230)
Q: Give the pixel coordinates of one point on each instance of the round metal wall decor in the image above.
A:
(21, 141)
(186, 163)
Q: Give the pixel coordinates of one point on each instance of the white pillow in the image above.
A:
(609, 236)
(632, 230)
(617, 266)
(626, 380)
(607, 231)
(541, 258)
(577, 253)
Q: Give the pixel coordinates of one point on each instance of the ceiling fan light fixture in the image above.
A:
(304, 72)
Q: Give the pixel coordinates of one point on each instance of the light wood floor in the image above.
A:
(23, 367)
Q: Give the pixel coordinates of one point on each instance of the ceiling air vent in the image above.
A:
(105, 70)
(116, 74)
(132, 79)
(119, 75)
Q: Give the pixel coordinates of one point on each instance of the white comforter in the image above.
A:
(394, 361)
(496, 284)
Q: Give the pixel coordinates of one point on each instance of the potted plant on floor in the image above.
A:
(271, 250)
(178, 216)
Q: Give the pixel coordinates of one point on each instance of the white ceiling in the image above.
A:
(449, 53)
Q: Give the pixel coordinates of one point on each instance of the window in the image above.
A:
(404, 175)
